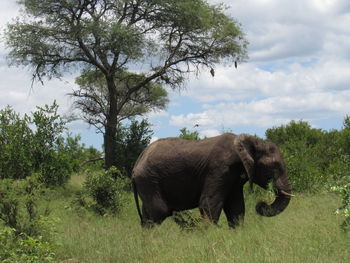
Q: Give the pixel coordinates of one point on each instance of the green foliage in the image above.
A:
(51, 35)
(104, 191)
(341, 171)
(55, 157)
(344, 192)
(188, 135)
(18, 205)
(315, 159)
(34, 144)
(24, 248)
(131, 141)
(92, 98)
(346, 122)
(93, 159)
(187, 219)
(15, 135)
(25, 230)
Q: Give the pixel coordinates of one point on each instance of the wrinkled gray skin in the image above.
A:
(173, 174)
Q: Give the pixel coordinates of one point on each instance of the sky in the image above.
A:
(298, 69)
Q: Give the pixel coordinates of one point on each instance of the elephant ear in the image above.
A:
(240, 144)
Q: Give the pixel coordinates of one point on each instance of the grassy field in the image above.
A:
(308, 231)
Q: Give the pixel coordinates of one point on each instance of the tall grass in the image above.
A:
(308, 231)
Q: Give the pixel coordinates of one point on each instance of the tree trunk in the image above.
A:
(111, 125)
(109, 145)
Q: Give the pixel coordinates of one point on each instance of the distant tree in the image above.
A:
(92, 98)
(161, 40)
(346, 122)
(188, 135)
(131, 141)
(294, 131)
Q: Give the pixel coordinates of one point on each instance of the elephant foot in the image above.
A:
(147, 224)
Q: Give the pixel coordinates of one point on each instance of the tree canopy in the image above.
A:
(157, 40)
(92, 98)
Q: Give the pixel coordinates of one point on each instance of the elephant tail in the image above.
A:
(136, 199)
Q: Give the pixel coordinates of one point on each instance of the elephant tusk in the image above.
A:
(287, 194)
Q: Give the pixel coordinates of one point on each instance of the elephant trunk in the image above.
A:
(283, 195)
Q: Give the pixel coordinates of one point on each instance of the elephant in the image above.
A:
(174, 174)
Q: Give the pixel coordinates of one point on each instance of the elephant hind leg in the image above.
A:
(154, 208)
(154, 211)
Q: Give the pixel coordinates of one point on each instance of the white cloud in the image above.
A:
(16, 90)
(250, 82)
(157, 114)
(298, 69)
(252, 96)
(191, 119)
(270, 111)
(210, 133)
(280, 29)
(153, 139)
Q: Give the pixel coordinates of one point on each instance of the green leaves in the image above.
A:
(188, 135)
(315, 159)
(131, 141)
(110, 34)
(25, 233)
(35, 145)
(93, 97)
(15, 135)
(104, 191)
(344, 191)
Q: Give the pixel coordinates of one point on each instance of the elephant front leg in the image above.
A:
(234, 207)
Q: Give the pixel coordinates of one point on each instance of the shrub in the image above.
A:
(35, 144)
(15, 137)
(23, 248)
(314, 158)
(104, 191)
(303, 170)
(344, 192)
(25, 232)
(342, 188)
(188, 135)
(18, 206)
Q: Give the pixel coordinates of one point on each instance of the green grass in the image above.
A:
(308, 231)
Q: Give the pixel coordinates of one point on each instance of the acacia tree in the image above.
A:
(92, 98)
(163, 39)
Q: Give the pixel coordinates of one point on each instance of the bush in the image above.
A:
(35, 144)
(188, 135)
(25, 232)
(23, 248)
(315, 159)
(104, 191)
(341, 171)
(344, 192)
(18, 206)
(303, 170)
(15, 137)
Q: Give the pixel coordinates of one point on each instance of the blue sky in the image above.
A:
(298, 68)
